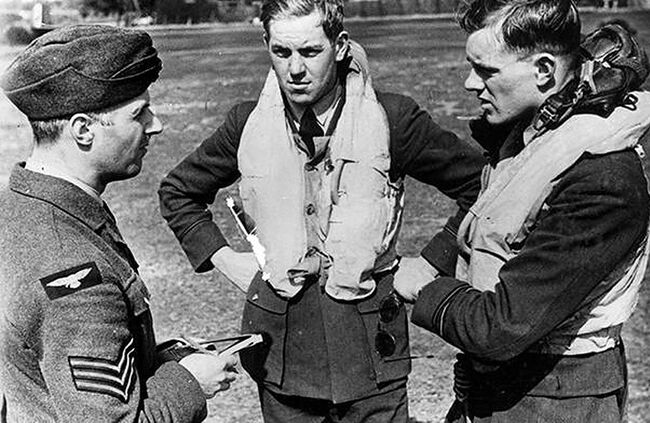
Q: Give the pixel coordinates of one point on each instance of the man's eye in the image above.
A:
(309, 52)
(483, 72)
(142, 112)
(282, 52)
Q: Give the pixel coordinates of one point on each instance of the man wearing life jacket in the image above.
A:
(555, 248)
(321, 157)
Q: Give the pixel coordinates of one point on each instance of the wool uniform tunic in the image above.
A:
(318, 347)
(76, 336)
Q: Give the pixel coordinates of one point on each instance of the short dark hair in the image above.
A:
(48, 131)
(527, 26)
(332, 11)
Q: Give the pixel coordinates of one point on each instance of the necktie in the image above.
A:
(309, 128)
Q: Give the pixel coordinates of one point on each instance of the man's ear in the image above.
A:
(342, 45)
(545, 68)
(80, 127)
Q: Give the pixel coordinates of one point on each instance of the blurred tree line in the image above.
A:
(119, 7)
(206, 10)
(193, 11)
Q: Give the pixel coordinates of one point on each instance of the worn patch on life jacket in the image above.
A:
(71, 280)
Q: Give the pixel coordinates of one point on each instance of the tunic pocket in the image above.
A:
(265, 313)
(386, 368)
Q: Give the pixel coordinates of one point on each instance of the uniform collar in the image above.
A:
(60, 193)
(53, 172)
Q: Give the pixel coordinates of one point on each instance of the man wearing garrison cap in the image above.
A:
(76, 335)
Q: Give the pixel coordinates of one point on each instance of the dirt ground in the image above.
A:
(209, 69)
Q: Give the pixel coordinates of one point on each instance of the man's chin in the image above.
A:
(495, 119)
(132, 171)
(300, 99)
(135, 170)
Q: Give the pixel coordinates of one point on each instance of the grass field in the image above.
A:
(209, 69)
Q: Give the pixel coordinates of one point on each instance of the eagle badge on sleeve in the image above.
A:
(71, 280)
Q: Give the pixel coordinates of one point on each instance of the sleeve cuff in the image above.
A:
(200, 243)
(428, 310)
(442, 252)
(180, 389)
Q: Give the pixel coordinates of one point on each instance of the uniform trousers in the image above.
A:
(390, 406)
(591, 388)
(607, 408)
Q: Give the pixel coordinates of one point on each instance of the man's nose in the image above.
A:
(473, 82)
(296, 65)
(155, 126)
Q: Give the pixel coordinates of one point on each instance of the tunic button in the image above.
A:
(310, 209)
(309, 167)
